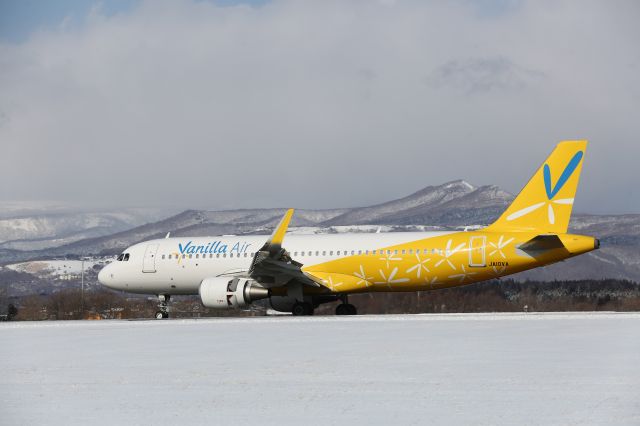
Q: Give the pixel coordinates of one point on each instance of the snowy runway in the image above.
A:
(418, 369)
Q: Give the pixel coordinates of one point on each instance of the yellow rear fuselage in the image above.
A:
(444, 261)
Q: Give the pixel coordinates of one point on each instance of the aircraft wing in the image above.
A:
(272, 265)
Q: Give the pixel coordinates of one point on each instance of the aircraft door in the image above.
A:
(149, 260)
(477, 256)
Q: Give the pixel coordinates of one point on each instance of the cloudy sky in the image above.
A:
(223, 104)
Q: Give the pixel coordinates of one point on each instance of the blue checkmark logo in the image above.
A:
(564, 177)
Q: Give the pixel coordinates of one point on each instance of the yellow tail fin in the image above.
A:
(544, 205)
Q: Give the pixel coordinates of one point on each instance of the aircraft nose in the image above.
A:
(105, 276)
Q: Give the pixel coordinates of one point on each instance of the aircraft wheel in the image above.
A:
(303, 308)
(346, 309)
(163, 306)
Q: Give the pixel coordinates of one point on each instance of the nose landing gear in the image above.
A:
(163, 306)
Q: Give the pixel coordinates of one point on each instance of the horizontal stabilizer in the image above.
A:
(541, 243)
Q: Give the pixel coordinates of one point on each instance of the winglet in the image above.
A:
(279, 232)
(268, 260)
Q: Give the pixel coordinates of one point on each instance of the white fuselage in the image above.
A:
(178, 265)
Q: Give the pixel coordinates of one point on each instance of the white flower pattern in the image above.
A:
(391, 279)
(463, 275)
(419, 266)
(499, 246)
(364, 279)
(389, 256)
(448, 252)
(329, 283)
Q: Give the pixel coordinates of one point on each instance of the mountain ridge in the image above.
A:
(451, 205)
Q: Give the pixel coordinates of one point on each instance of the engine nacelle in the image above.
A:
(227, 293)
(282, 303)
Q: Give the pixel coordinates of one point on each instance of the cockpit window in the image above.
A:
(126, 257)
(120, 257)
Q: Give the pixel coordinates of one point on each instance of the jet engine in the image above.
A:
(227, 293)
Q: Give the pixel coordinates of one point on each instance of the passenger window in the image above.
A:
(317, 253)
(359, 252)
(163, 257)
(245, 255)
(366, 252)
(224, 254)
(295, 253)
(353, 252)
(338, 253)
(331, 253)
(404, 251)
(184, 256)
(373, 252)
(190, 256)
(197, 256)
(230, 254)
(410, 251)
(169, 257)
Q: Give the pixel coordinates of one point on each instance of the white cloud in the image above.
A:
(318, 104)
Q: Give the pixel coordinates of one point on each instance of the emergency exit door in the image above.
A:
(149, 260)
(477, 251)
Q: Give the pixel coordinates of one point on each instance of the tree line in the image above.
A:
(490, 296)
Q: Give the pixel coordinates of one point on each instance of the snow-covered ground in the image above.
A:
(56, 268)
(421, 369)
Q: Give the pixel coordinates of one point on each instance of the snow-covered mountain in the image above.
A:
(451, 205)
(34, 228)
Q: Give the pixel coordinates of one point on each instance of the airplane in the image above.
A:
(230, 272)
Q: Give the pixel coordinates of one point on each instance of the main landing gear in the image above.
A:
(302, 308)
(163, 306)
(346, 308)
(306, 308)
